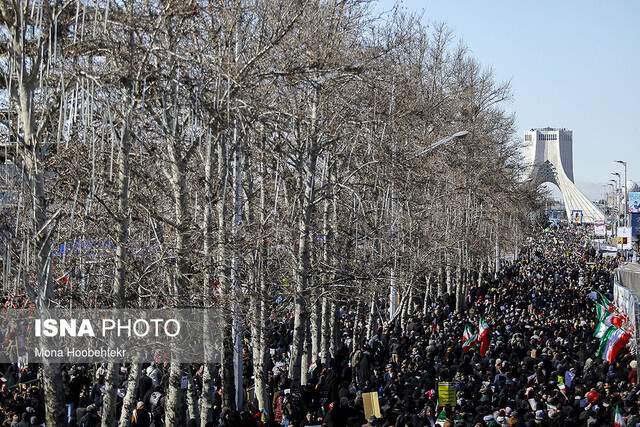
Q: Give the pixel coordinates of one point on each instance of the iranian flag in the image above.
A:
(612, 342)
(469, 338)
(442, 418)
(611, 320)
(601, 330)
(601, 311)
(605, 301)
(483, 336)
(618, 421)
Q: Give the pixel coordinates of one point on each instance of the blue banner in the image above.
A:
(635, 226)
(634, 202)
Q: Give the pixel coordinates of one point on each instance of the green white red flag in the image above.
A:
(442, 418)
(607, 315)
(618, 421)
(612, 342)
(469, 338)
(483, 336)
(610, 320)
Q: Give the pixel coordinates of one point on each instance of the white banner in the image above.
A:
(626, 302)
(624, 233)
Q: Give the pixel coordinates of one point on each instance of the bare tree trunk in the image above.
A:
(175, 414)
(43, 224)
(325, 334)
(206, 401)
(129, 401)
(393, 291)
(459, 288)
(403, 314)
(371, 317)
(427, 294)
(228, 383)
(307, 183)
(53, 394)
(174, 411)
(306, 349)
(258, 300)
(119, 296)
(328, 228)
(302, 274)
(497, 268)
(441, 282)
(334, 330)
(315, 327)
(192, 407)
(357, 323)
(236, 293)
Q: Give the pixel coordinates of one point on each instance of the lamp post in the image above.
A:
(442, 141)
(611, 194)
(616, 199)
(393, 290)
(610, 197)
(626, 195)
(617, 174)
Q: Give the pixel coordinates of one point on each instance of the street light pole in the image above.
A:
(626, 194)
(619, 189)
(393, 290)
(610, 197)
(442, 141)
(616, 200)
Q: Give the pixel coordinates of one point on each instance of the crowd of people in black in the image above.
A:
(540, 369)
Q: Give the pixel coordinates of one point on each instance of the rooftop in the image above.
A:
(550, 129)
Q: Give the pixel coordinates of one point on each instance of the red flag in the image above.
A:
(483, 336)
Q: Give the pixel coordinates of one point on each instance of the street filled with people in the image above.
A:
(530, 349)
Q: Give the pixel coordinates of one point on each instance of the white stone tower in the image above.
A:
(549, 157)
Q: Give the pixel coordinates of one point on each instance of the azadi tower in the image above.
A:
(549, 156)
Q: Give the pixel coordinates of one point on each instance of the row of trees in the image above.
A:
(251, 156)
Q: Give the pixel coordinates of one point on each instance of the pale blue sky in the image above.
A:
(571, 63)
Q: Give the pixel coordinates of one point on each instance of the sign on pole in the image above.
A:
(635, 227)
(624, 238)
(634, 202)
(576, 216)
(446, 394)
(371, 405)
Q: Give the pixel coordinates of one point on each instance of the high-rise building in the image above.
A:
(549, 158)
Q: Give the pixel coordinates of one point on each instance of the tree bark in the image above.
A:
(129, 401)
(228, 384)
(258, 299)
(206, 401)
(112, 378)
(32, 158)
(174, 412)
(307, 183)
(236, 292)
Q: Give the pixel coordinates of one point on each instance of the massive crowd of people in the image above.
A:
(540, 369)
